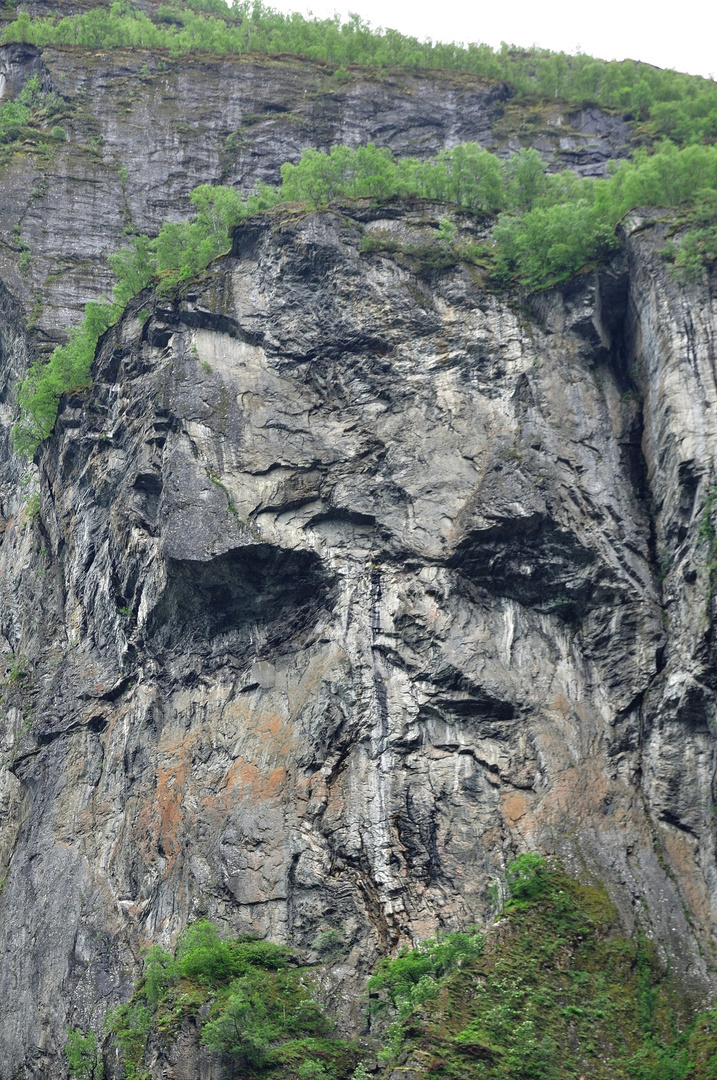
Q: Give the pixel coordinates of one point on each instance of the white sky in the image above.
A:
(680, 35)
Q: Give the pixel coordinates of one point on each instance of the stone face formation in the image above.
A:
(343, 585)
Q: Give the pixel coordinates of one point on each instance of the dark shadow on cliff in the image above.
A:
(535, 562)
(279, 590)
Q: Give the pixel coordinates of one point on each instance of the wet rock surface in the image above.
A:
(347, 585)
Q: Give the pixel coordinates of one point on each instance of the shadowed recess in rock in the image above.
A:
(258, 584)
(535, 562)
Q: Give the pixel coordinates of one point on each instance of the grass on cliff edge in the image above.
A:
(680, 107)
(558, 994)
(554, 991)
(547, 227)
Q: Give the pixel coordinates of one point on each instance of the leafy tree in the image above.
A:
(203, 955)
(528, 877)
(526, 180)
(84, 1059)
(241, 1030)
(159, 970)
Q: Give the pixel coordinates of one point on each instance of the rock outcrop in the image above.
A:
(348, 582)
(349, 579)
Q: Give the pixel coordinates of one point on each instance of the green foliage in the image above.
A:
(696, 246)
(159, 970)
(465, 176)
(329, 944)
(527, 878)
(680, 107)
(27, 116)
(557, 993)
(257, 1009)
(702, 1048)
(84, 1059)
(67, 369)
(32, 507)
(19, 673)
(413, 976)
(260, 1012)
(206, 957)
(176, 254)
(15, 115)
(549, 226)
(129, 1025)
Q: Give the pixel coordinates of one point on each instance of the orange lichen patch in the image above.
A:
(680, 851)
(515, 805)
(578, 791)
(159, 823)
(265, 733)
(245, 778)
(244, 782)
(577, 797)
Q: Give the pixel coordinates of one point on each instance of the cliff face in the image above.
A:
(346, 585)
(348, 580)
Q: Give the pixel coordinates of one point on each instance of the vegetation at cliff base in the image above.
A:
(256, 1002)
(557, 993)
(552, 991)
(680, 107)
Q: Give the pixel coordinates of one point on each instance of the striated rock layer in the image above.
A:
(348, 583)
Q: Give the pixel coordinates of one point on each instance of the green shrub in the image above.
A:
(527, 878)
(412, 977)
(203, 955)
(129, 1025)
(312, 1070)
(84, 1059)
(255, 1008)
(159, 966)
(329, 944)
(31, 110)
(261, 1011)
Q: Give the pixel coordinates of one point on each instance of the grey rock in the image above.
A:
(353, 585)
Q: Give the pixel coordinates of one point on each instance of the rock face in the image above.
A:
(348, 583)
(348, 580)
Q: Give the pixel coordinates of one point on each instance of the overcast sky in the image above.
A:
(669, 34)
